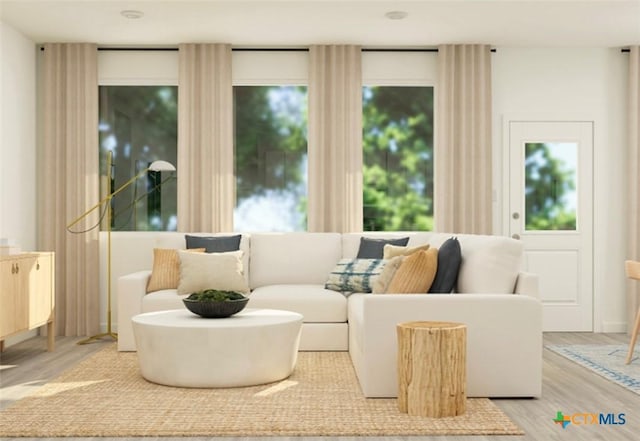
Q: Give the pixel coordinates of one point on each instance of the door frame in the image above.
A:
(504, 195)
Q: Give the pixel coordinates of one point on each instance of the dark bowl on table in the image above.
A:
(216, 308)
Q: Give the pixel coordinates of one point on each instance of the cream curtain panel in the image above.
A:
(69, 182)
(633, 252)
(462, 156)
(206, 184)
(335, 139)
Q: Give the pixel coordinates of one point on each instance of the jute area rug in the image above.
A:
(105, 396)
(606, 361)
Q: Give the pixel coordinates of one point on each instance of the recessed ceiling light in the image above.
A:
(131, 14)
(396, 15)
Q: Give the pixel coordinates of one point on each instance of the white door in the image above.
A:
(551, 211)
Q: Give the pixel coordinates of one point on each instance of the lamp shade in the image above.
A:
(161, 166)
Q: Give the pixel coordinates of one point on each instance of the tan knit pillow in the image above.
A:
(391, 251)
(416, 273)
(166, 268)
(381, 282)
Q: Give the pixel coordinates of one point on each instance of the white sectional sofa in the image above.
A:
(497, 302)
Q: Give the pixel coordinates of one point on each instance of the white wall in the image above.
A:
(132, 68)
(575, 83)
(17, 143)
(17, 138)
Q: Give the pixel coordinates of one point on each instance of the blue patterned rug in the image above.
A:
(606, 361)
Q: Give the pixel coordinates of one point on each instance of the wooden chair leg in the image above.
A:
(634, 337)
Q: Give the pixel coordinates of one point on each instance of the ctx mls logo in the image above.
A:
(585, 418)
(563, 420)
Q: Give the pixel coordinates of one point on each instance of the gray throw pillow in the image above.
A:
(214, 244)
(374, 248)
(449, 260)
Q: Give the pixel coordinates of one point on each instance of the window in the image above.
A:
(139, 125)
(550, 185)
(271, 158)
(398, 158)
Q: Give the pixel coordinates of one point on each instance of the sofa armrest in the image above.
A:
(527, 285)
(504, 339)
(131, 290)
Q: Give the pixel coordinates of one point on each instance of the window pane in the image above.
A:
(550, 185)
(398, 158)
(139, 125)
(271, 158)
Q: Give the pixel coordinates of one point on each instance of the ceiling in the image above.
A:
(263, 23)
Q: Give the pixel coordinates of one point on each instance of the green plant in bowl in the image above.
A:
(214, 303)
(215, 295)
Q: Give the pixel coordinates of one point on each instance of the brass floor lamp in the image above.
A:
(158, 166)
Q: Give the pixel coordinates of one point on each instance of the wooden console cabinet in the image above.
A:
(27, 294)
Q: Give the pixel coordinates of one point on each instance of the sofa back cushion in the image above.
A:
(298, 258)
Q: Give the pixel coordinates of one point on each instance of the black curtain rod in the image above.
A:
(399, 50)
(268, 49)
(261, 49)
(251, 49)
(146, 49)
(406, 50)
(274, 49)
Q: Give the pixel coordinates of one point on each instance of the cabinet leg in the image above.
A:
(51, 337)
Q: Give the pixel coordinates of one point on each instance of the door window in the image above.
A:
(550, 185)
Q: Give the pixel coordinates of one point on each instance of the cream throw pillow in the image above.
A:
(391, 251)
(165, 273)
(223, 271)
(416, 273)
(381, 282)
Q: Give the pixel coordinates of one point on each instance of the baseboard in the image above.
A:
(17, 338)
(614, 327)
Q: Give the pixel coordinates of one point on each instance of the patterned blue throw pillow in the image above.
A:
(354, 275)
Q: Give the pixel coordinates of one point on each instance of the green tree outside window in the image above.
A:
(398, 158)
(139, 124)
(550, 187)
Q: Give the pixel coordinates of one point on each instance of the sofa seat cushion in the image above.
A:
(314, 302)
(162, 300)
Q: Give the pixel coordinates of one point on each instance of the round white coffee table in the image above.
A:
(179, 348)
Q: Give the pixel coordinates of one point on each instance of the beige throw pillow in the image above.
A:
(223, 271)
(416, 273)
(381, 282)
(165, 273)
(391, 251)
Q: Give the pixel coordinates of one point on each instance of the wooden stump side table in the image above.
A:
(432, 371)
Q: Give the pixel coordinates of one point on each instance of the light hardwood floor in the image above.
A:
(567, 387)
